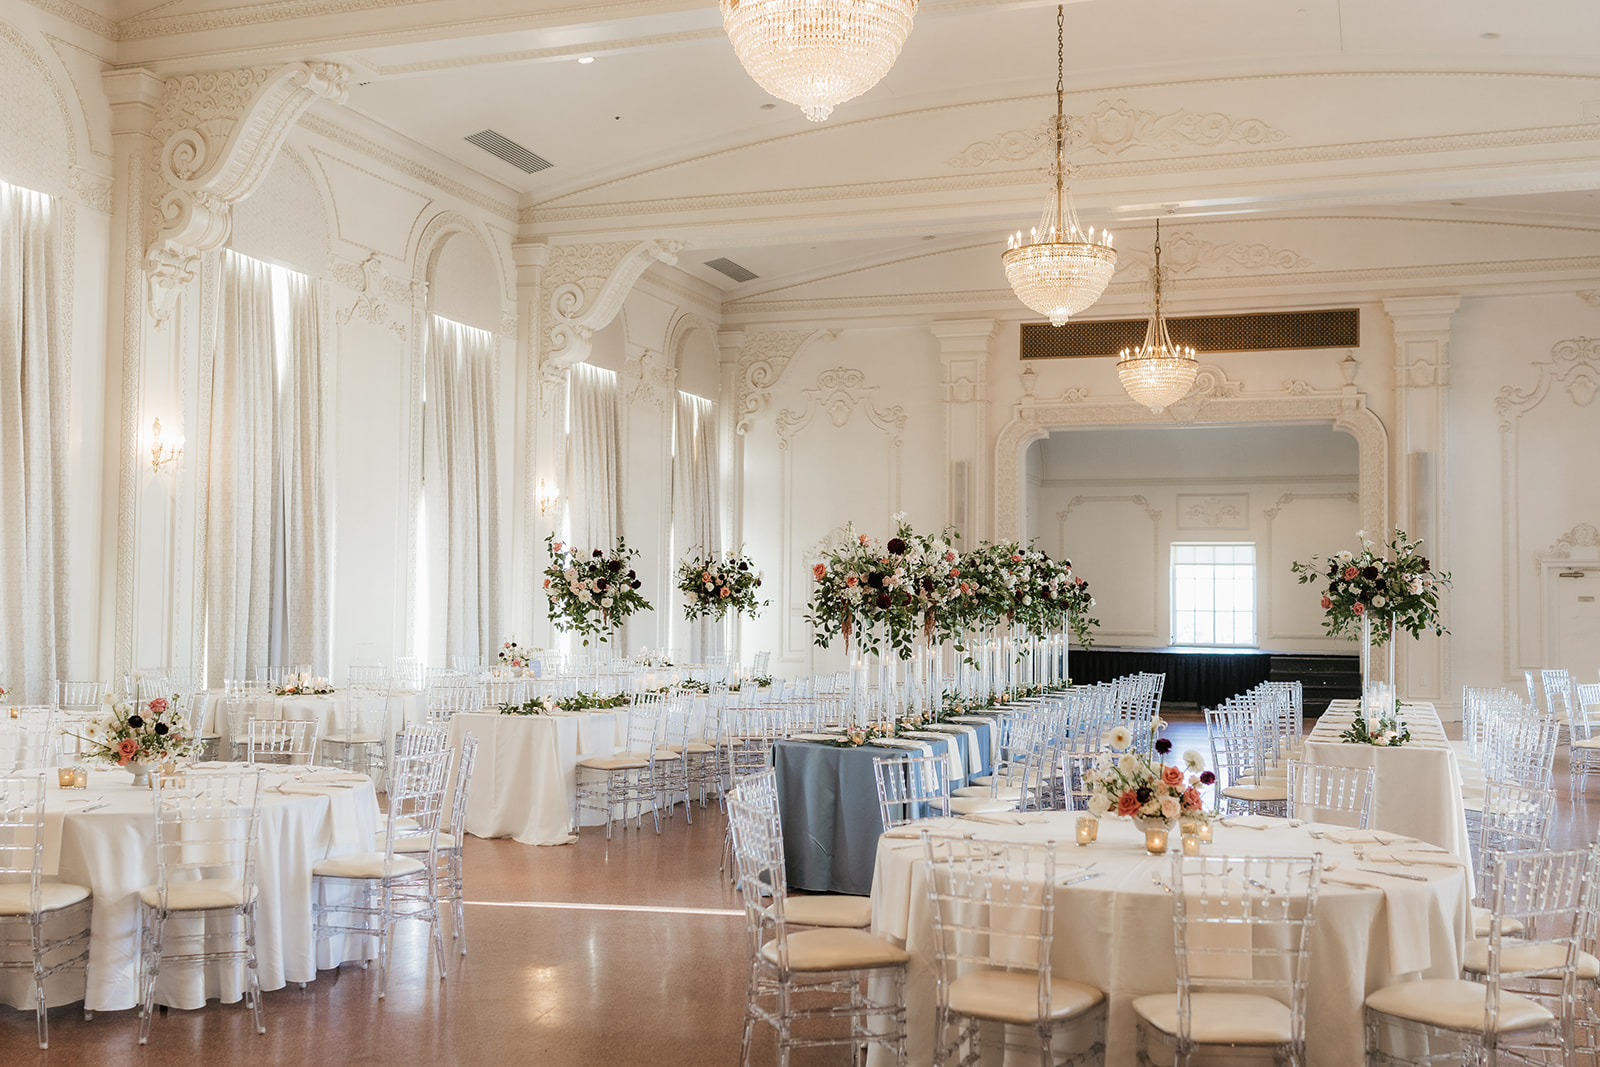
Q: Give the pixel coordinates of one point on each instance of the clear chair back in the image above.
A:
(284, 740)
(1341, 796)
(993, 908)
(28, 738)
(22, 800)
(87, 695)
(911, 788)
(207, 829)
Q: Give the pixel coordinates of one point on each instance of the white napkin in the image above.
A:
(1367, 837)
(1407, 857)
(830, 738)
(1406, 908)
(1247, 822)
(938, 827)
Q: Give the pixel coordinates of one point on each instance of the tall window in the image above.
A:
(1213, 594)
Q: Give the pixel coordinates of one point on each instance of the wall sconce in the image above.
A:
(549, 497)
(161, 454)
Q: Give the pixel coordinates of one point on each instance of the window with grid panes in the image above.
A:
(1213, 593)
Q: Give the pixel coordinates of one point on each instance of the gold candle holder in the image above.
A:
(1155, 840)
(1191, 844)
(1204, 832)
(80, 778)
(1086, 829)
(64, 777)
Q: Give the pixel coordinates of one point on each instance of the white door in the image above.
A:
(1577, 643)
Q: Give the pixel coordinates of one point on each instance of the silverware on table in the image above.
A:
(1394, 874)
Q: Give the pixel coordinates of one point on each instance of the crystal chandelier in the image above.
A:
(1158, 372)
(817, 53)
(1058, 268)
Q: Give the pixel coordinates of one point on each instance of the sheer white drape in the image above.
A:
(305, 527)
(694, 501)
(462, 487)
(242, 480)
(34, 445)
(594, 497)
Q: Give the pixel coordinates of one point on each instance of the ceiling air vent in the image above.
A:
(510, 151)
(731, 269)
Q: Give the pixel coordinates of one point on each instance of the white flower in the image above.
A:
(1415, 587)
(1128, 764)
(1099, 804)
(1379, 601)
(1170, 807)
(1118, 737)
(1193, 762)
(605, 602)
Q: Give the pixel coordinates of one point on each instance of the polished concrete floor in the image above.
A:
(627, 952)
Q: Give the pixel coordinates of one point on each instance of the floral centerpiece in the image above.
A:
(1380, 730)
(512, 654)
(715, 584)
(301, 685)
(886, 592)
(139, 736)
(856, 736)
(1144, 787)
(591, 594)
(577, 702)
(1401, 587)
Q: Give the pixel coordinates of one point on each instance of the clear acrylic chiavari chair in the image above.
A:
(283, 741)
(29, 738)
(1585, 747)
(1341, 796)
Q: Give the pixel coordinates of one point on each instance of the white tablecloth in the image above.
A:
(112, 851)
(1115, 931)
(405, 706)
(525, 778)
(1416, 789)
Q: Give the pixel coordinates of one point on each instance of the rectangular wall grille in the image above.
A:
(1260, 332)
(504, 147)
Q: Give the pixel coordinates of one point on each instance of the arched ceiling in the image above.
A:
(1451, 134)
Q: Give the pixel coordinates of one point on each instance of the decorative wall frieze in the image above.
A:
(649, 378)
(1228, 511)
(382, 300)
(839, 393)
(1185, 252)
(1116, 126)
(1590, 297)
(1138, 500)
(587, 285)
(1574, 365)
(94, 190)
(508, 324)
(762, 360)
(215, 135)
(1582, 536)
(1289, 498)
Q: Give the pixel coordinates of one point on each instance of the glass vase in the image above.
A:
(1366, 668)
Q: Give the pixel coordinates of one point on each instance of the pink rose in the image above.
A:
(1171, 775)
(158, 705)
(819, 572)
(127, 748)
(1127, 803)
(1360, 608)
(1326, 603)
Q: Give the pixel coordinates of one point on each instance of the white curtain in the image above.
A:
(34, 445)
(242, 480)
(694, 501)
(462, 488)
(594, 495)
(302, 586)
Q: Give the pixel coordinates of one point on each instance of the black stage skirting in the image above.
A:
(1207, 677)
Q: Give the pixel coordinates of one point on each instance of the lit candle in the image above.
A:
(1204, 833)
(64, 777)
(1191, 844)
(1086, 826)
(1094, 829)
(1187, 827)
(1155, 840)
(80, 778)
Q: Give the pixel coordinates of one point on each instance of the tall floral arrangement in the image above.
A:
(591, 594)
(1134, 785)
(885, 593)
(1393, 582)
(149, 733)
(714, 584)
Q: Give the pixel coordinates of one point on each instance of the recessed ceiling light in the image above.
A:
(586, 59)
(1490, 36)
(768, 107)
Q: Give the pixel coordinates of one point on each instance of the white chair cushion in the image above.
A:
(415, 843)
(197, 894)
(828, 909)
(405, 822)
(1538, 958)
(836, 950)
(1483, 918)
(1456, 1004)
(14, 899)
(365, 865)
(623, 761)
(1005, 792)
(1221, 1018)
(1586, 742)
(988, 779)
(1256, 792)
(353, 739)
(979, 805)
(1013, 996)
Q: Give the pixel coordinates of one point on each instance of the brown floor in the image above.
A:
(550, 978)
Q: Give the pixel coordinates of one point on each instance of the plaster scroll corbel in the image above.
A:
(216, 135)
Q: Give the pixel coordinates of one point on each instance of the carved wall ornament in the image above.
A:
(1115, 127)
(94, 190)
(761, 363)
(215, 135)
(1210, 383)
(587, 285)
(1590, 297)
(839, 393)
(649, 378)
(1583, 535)
(1574, 365)
(1140, 501)
(1289, 498)
(508, 324)
(1186, 252)
(384, 300)
(1225, 512)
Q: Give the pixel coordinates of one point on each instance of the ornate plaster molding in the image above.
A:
(1228, 511)
(1186, 252)
(1583, 535)
(587, 285)
(94, 190)
(761, 363)
(1138, 500)
(1289, 498)
(1215, 399)
(839, 393)
(1115, 127)
(216, 134)
(1574, 365)
(649, 378)
(383, 300)
(1590, 297)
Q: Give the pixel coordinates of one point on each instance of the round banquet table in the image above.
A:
(1115, 929)
(112, 851)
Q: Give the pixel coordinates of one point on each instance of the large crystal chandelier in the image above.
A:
(1058, 268)
(1158, 372)
(817, 53)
